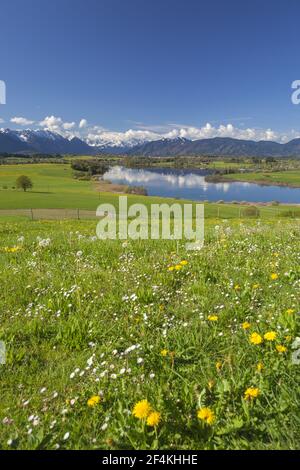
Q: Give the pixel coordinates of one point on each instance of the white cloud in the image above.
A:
(68, 125)
(52, 123)
(1, 120)
(83, 124)
(97, 135)
(21, 121)
(56, 124)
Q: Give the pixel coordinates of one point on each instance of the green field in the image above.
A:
(55, 188)
(93, 327)
(288, 178)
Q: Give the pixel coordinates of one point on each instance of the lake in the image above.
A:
(191, 184)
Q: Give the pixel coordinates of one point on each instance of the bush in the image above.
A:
(92, 167)
(81, 175)
(140, 190)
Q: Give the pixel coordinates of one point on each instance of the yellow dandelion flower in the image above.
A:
(270, 335)
(210, 384)
(290, 311)
(94, 400)
(178, 267)
(280, 348)
(259, 367)
(212, 318)
(255, 338)
(274, 276)
(164, 352)
(255, 286)
(237, 287)
(13, 249)
(141, 409)
(171, 268)
(288, 338)
(218, 365)
(206, 415)
(154, 419)
(246, 325)
(251, 393)
(183, 262)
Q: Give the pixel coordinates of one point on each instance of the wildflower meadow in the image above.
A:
(144, 345)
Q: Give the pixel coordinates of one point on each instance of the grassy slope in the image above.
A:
(59, 308)
(54, 187)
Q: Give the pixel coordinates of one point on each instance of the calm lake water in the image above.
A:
(191, 184)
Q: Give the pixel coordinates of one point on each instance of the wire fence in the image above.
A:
(49, 214)
(218, 211)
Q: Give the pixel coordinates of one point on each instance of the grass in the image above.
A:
(86, 318)
(55, 188)
(288, 178)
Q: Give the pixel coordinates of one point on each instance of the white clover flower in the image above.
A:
(66, 436)
(44, 243)
(90, 360)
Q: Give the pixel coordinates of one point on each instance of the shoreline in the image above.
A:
(223, 179)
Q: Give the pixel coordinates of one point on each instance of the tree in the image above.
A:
(23, 182)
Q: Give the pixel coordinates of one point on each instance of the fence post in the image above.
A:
(78, 214)
(31, 211)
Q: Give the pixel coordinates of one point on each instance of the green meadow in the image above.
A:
(141, 344)
(55, 188)
(289, 178)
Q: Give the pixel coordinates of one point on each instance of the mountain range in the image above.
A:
(47, 142)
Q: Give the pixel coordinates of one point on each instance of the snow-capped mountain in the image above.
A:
(119, 140)
(47, 142)
(41, 141)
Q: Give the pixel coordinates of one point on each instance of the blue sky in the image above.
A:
(159, 67)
